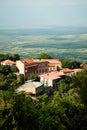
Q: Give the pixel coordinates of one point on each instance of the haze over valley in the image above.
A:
(60, 42)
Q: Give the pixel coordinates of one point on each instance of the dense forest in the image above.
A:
(64, 109)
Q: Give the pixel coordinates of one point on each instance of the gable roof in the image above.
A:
(53, 75)
(67, 70)
(8, 62)
(28, 60)
(77, 70)
(83, 65)
(28, 86)
(52, 61)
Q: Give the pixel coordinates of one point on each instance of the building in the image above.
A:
(53, 64)
(51, 79)
(83, 66)
(76, 71)
(8, 62)
(30, 87)
(29, 66)
(67, 71)
(71, 72)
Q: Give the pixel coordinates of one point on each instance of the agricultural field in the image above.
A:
(58, 43)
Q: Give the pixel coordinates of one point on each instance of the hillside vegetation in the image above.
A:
(65, 109)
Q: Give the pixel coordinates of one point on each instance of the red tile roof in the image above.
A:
(28, 60)
(52, 61)
(77, 70)
(50, 64)
(83, 65)
(67, 70)
(8, 62)
(32, 65)
(53, 75)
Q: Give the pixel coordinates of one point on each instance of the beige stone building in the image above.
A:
(29, 66)
(53, 64)
(68, 72)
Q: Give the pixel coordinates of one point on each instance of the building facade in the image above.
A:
(29, 66)
(51, 79)
(53, 64)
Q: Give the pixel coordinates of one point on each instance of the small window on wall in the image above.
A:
(42, 70)
(39, 71)
(50, 68)
(46, 70)
(46, 65)
(53, 68)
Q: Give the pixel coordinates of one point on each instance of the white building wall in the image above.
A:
(46, 82)
(20, 67)
(50, 83)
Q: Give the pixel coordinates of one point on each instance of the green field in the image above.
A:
(59, 45)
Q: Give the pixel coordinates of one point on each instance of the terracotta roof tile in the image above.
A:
(77, 70)
(53, 75)
(54, 61)
(27, 60)
(67, 70)
(8, 62)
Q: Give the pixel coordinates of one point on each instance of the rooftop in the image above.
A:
(67, 70)
(28, 60)
(8, 62)
(53, 61)
(77, 70)
(28, 86)
(53, 75)
(38, 60)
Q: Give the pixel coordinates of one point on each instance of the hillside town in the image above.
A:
(49, 72)
(42, 93)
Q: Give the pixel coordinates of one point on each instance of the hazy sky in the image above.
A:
(38, 13)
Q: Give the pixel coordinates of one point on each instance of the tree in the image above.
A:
(70, 64)
(33, 77)
(13, 68)
(21, 79)
(80, 81)
(4, 57)
(3, 82)
(44, 56)
(16, 57)
(5, 69)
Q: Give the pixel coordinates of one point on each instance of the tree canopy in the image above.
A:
(72, 64)
(44, 56)
(13, 57)
(65, 109)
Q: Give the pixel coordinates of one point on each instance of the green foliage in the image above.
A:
(70, 64)
(66, 109)
(13, 68)
(13, 57)
(44, 56)
(5, 69)
(4, 57)
(33, 77)
(20, 79)
(80, 81)
(3, 82)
